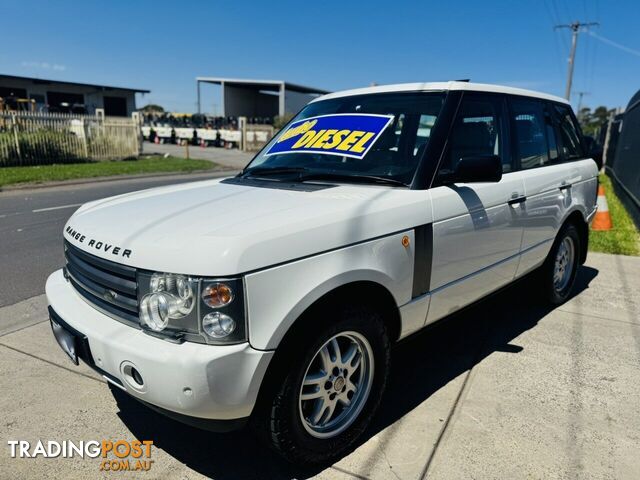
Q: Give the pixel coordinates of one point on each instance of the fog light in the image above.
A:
(137, 377)
(218, 325)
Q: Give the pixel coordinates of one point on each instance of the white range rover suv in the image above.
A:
(275, 295)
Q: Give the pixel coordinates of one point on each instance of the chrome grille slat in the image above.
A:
(111, 287)
(107, 308)
(102, 277)
(116, 268)
(99, 291)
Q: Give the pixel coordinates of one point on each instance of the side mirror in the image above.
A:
(594, 150)
(481, 168)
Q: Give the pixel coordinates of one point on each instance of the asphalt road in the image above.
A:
(31, 223)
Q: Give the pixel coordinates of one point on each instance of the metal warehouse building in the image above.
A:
(259, 98)
(53, 95)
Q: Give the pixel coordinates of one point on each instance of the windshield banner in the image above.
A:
(344, 134)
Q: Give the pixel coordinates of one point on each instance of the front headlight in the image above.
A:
(171, 297)
(180, 307)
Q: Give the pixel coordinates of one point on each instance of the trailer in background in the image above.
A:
(207, 131)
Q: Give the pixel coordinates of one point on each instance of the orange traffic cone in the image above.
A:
(602, 220)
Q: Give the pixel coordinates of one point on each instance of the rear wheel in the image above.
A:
(560, 269)
(332, 388)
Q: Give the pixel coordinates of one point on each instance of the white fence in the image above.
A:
(29, 138)
(254, 136)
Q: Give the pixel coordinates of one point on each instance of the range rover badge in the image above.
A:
(109, 295)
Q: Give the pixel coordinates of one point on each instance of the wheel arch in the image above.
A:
(578, 219)
(360, 292)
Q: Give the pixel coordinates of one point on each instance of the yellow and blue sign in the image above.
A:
(344, 134)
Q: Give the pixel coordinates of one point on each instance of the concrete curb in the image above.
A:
(82, 181)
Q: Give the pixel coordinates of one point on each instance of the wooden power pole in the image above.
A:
(576, 28)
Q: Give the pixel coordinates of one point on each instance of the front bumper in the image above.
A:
(187, 380)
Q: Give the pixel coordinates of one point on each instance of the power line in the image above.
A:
(556, 42)
(580, 95)
(557, 20)
(615, 44)
(585, 62)
(594, 48)
(576, 28)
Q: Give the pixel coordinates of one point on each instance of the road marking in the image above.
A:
(48, 209)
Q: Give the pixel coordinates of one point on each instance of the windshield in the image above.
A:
(377, 137)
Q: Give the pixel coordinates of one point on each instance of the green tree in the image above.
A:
(280, 121)
(592, 121)
(152, 108)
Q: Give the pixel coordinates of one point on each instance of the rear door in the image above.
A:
(545, 152)
(582, 171)
(477, 229)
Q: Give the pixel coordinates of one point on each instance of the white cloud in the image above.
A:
(43, 66)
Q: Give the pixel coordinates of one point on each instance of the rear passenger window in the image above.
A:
(530, 128)
(476, 132)
(425, 124)
(569, 134)
(554, 155)
(552, 135)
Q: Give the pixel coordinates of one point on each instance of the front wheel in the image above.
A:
(560, 269)
(333, 388)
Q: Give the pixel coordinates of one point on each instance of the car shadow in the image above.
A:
(421, 365)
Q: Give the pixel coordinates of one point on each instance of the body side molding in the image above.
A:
(422, 262)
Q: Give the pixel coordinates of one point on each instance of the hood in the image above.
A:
(217, 229)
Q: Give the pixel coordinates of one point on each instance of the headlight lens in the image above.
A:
(217, 295)
(183, 308)
(218, 325)
(171, 297)
(154, 311)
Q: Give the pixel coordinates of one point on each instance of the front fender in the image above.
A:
(277, 296)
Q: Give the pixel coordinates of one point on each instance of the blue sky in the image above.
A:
(162, 46)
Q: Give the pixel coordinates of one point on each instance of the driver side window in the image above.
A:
(477, 132)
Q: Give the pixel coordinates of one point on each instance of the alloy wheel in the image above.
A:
(336, 385)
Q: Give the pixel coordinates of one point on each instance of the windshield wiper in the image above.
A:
(352, 178)
(267, 171)
(305, 174)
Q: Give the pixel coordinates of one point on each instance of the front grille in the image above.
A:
(110, 287)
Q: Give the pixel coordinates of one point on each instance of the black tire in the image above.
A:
(554, 293)
(279, 420)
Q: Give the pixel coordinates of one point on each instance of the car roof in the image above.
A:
(442, 86)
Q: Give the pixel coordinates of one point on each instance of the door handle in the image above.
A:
(517, 200)
(564, 187)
